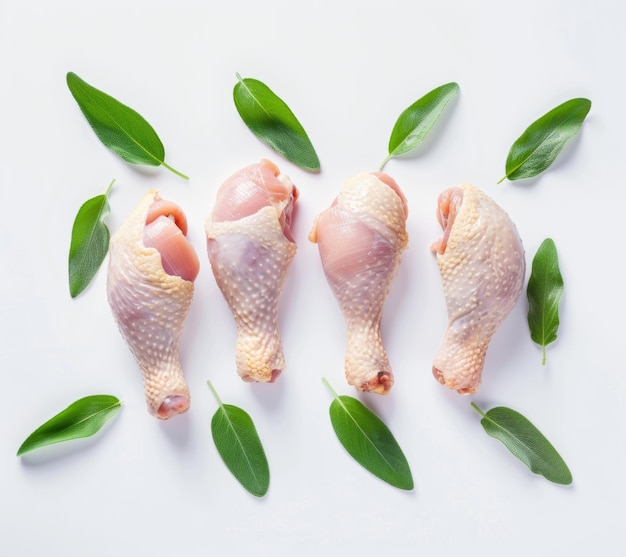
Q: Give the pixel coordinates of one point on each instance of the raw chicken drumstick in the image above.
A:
(250, 248)
(481, 260)
(361, 238)
(149, 286)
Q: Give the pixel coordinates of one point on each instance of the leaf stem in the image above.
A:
(329, 387)
(106, 193)
(543, 354)
(217, 397)
(183, 176)
(501, 180)
(478, 409)
(380, 168)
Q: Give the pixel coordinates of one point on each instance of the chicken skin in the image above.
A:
(250, 247)
(361, 238)
(150, 278)
(481, 261)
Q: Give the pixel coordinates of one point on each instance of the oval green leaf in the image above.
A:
(89, 243)
(526, 442)
(240, 447)
(273, 122)
(83, 418)
(369, 441)
(119, 127)
(537, 148)
(414, 124)
(544, 291)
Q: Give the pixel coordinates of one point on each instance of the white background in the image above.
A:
(142, 487)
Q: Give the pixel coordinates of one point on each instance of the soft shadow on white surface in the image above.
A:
(177, 431)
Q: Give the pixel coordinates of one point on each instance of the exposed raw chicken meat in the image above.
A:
(151, 271)
(481, 260)
(361, 238)
(250, 247)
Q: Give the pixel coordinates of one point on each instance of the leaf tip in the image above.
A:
(312, 166)
(454, 87)
(260, 493)
(72, 81)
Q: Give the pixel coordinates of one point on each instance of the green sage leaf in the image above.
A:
(415, 122)
(537, 148)
(544, 291)
(90, 242)
(118, 126)
(239, 445)
(273, 122)
(526, 442)
(83, 418)
(369, 441)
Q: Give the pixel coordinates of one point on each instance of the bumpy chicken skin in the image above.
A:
(150, 278)
(481, 261)
(250, 247)
(361, 238)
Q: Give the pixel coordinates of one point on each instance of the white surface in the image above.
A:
(148, 488)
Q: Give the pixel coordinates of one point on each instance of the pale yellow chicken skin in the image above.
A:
(250, 246)
(361, 237)
(481, 261)
(149, 303)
